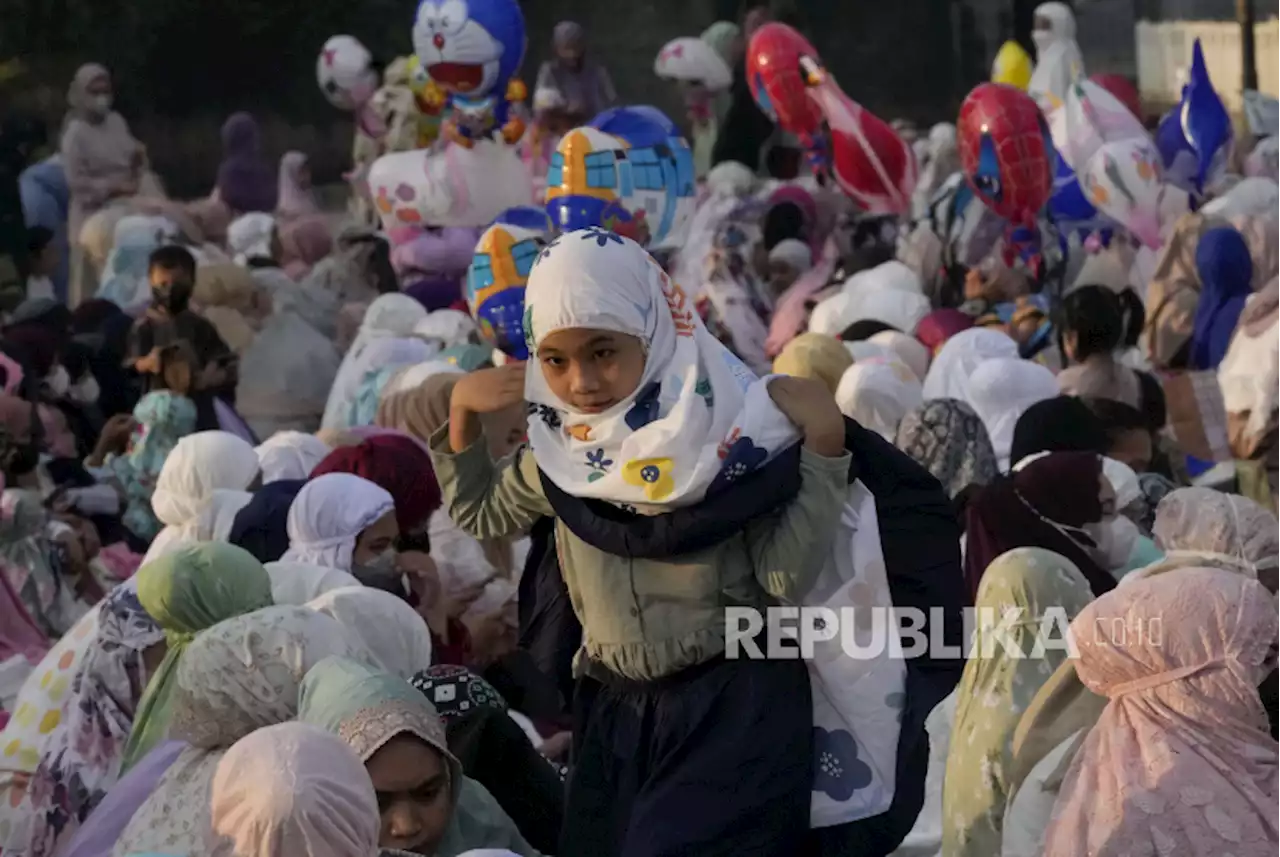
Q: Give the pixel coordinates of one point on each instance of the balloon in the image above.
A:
(496, 281)
(472, 49)
(529, 217)
(869, 160)
(695, 61)
(1123, 89)
(1068, 205)
(1089, 118)
(629, 171)
(453, 187)
(1123, 179)
(1012, 66)
(1005, 151)
(781, 65)
(646, 127)
(345, 73)
(1176, 155)
(1206, 124)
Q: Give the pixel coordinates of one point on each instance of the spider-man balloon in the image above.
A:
(781, 65)
(1005, 151)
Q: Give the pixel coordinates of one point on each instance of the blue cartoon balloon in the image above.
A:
(529, 217)
(1068, 205)
(1205, 122)
(495, 285)
(629, 171)
(1195, 138)
(472, 49)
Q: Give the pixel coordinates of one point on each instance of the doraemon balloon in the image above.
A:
(496, 280)
(644, 128)
(473, 49)
(345, 73)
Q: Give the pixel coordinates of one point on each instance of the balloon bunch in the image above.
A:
(629, 171)
(868, 160)
(472, 52)
(1194, 139)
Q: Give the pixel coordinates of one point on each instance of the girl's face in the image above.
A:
(377, 539)
(781, 277)
(304, 176)
(591, 370)
(412, 782)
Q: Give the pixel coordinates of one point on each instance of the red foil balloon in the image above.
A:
(870, 162)
(1005, 151)
(1123, 89)
(781, 66)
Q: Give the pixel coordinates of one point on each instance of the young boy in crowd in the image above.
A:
(169, 319)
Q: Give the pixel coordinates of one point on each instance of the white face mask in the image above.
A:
(86, 391)
(1115, 539)
(100, 104)
(1042, 40)
(58, 382)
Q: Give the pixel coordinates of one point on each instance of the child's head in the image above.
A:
(172, 273)
(42, 255)
(593, 306)
(177, 368)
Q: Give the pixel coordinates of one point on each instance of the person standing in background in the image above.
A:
(103, 162)
(746, 129)
(577, 86)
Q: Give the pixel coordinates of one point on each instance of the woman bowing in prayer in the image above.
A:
(1180, 762)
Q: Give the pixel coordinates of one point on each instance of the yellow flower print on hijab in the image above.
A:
(651, 474)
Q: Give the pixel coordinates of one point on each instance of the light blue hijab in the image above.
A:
(368, 708)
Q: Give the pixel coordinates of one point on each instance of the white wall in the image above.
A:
(1164, 55)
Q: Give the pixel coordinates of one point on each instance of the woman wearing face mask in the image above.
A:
(427, 805)
(342, 532)
(102, 159)
(1055, 502)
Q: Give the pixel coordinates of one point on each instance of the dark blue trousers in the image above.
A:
(714, 760)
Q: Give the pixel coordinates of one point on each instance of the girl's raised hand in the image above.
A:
(488, 391)
(810, 405)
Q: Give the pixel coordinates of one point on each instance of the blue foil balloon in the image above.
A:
(495, 285)
(1176, 154)
(529, 217)
(1205, 122)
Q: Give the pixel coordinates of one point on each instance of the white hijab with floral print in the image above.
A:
(699, 418)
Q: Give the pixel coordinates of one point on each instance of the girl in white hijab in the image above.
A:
(1000, 390)
(1058, 60)
(198, 466)
(288, 455)
(390, 316)
(341, 532)
(908, 349)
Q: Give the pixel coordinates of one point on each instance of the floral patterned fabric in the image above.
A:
(457, 691)
(949, 440)
(1181, 762)
(665, 445)
(80, 760)
(997, 687)
(241, 675)
(163, 418)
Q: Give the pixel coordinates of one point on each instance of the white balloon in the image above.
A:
(454, 187)
(1089, 118)
(345, 73)
(695, 61)
(1124, 180)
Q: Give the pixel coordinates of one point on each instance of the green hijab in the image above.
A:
(995, 690)
(186, 591)
(468, 358)
(367, 708)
